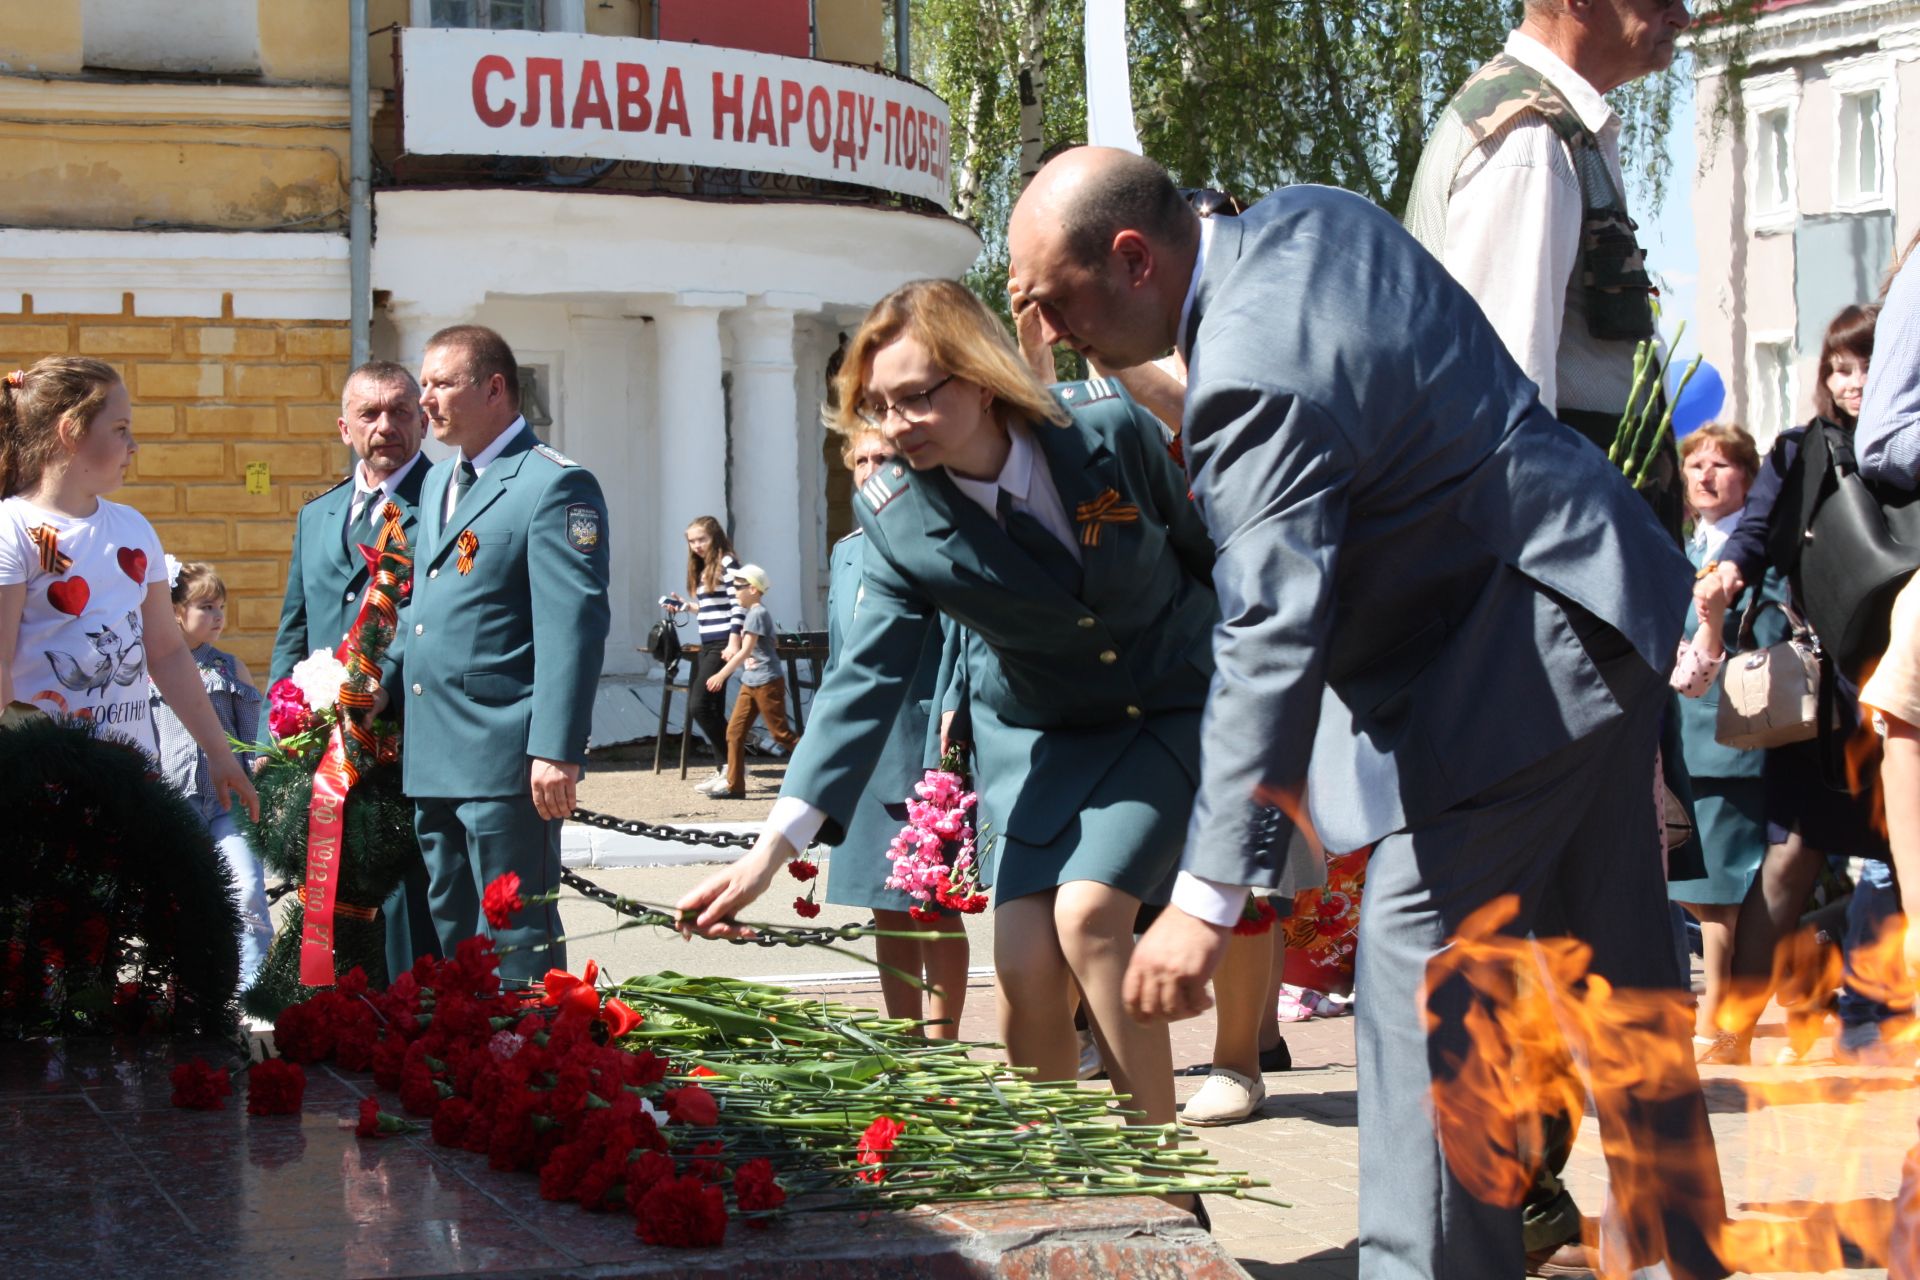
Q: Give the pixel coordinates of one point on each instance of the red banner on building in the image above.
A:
(765, 26)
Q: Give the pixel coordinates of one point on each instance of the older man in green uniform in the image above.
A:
(499, 648)
(380, 422)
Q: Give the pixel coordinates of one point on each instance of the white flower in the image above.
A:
(319, 677)
(173, 572)
(653, 1113)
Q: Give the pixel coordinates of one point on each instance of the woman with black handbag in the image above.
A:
(1813, 808)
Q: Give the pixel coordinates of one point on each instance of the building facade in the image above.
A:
(674, 250)
(1804, 196)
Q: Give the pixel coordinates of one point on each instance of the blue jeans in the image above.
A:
(250, 892)
(1875, 901)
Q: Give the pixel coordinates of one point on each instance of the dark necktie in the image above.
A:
(1039, 542)
(463, 477)
(357, 518)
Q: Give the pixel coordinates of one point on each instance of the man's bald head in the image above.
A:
(1091, 194)
(1104, 246)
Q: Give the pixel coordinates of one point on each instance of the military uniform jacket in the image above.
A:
(1059, 683)
(499, 662)
(905, 759)
(1399, 521)
(327, 577)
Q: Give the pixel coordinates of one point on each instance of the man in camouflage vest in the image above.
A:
(1519, 193)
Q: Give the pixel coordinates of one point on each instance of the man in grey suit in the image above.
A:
(1445, 627)
(380, 421)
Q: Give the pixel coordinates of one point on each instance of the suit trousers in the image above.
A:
(1574, 838)
(467, 844)
(410, 931)
(768, 702)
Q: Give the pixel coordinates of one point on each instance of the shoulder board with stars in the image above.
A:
(883, 486)
(329, 489)
(552, 454)
(1077, 394)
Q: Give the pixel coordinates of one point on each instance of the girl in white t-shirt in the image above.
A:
(85, 613)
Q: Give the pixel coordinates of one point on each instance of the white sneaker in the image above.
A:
(712, 786)
(1226, 1098)
(1090, 1063)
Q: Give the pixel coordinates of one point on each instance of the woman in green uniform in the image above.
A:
(1054, 526)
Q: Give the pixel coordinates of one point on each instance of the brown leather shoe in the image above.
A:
(1570, 1259)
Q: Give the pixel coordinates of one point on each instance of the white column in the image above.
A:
(767, 473)
(604, 434)
(691, 422)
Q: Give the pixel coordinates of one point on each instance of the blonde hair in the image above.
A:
(862, 430)
(1731, 439)
(33, 404)
(961, 336)
(197, 580)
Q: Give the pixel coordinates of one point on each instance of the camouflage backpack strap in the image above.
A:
(1505, 89)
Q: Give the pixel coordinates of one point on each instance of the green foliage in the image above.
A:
(1242, 95)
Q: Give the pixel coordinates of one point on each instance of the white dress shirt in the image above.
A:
(481, 461)
(1032, 490)
(1513, 236)
(368, 500)
(1710, 536)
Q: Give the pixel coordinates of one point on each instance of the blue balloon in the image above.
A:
(1699, 401)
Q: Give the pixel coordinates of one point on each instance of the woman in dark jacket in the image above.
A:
(1807, 819)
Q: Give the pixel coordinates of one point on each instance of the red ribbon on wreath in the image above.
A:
(338, 772)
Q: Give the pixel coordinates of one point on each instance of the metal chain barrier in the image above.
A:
(656, 831)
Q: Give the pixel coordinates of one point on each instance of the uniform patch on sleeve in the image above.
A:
(583, 527)
(883, 486)
(1092, 391)
(552, 454)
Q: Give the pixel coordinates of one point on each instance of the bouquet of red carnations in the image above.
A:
(936, 857)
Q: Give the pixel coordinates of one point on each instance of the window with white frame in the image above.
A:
(1773, 161)
(1861, 171)
(488, 15)
(1773, 388)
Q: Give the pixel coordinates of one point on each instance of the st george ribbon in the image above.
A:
(351, 746)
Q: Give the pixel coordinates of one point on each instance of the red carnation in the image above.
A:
(620, 1018)
(805, 908)
(375, 1123)
(682, 1213)
(199, 1087)
(754, 1188)
(1257, 917)
(692, 1105)
(876, 1144)
(501, 899)
(644, 1170)
(803, 870)
(450, 1122)
(275, 1088)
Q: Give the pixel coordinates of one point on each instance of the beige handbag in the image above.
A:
(1770, 697)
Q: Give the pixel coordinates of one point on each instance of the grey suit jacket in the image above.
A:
(1413, 552)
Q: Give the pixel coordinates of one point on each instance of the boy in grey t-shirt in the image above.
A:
(763, 691)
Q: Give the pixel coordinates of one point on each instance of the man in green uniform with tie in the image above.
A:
(380, 422)
(499, 648)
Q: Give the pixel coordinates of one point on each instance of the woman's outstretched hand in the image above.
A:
(709, 909)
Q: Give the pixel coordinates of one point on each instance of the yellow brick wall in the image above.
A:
(209, 397)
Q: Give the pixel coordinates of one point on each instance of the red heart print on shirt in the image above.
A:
(69, 597)
(133, 562)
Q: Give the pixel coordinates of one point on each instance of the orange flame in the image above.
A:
(1536, 1009)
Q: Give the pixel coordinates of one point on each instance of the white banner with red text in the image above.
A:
(520, 93)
